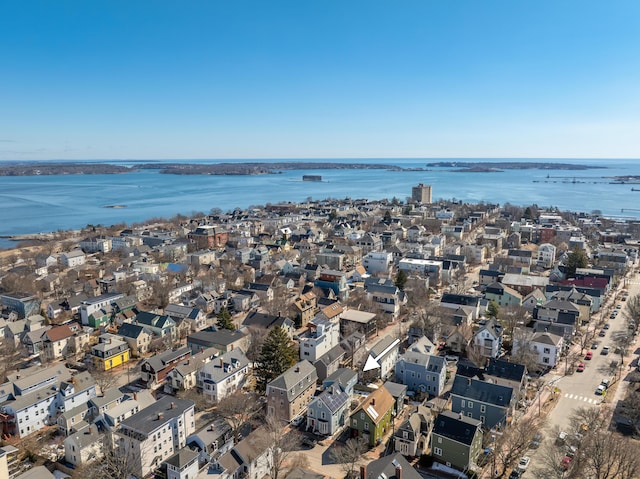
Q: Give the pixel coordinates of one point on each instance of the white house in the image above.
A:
(546, 255)
(223, 375)
(320, 337)
(383, 357)
(156, 433)
(377, 262)
(73, 258)
(488, 340)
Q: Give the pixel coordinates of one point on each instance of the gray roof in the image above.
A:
(111, 395)
(381, 345)
(456, 426)
(86, 436)
(160, 361)
(183, 457)
(157, 414)
(342, 376)
(301, 374)
(38, 472)
(133, 331)
(386, 466)
(489, 393)
(225, 365)
(334, 398)
(223, 337)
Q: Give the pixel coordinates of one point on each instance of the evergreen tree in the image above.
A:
(401, 280)
(224, 320)
(493, 310)
(576, 259)
(277, 355)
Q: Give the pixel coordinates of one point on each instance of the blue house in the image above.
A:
(421, 372)
(328, 411)
(491, 404)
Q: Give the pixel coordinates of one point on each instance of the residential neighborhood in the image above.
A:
(278, 340)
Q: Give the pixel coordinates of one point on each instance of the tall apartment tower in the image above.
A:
(421, 193)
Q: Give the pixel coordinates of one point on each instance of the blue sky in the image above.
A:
(228, 79)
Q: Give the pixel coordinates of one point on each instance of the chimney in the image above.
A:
(135, 396)
(398, 471)
(221, 362)
(460, 416)
(173, 405)
(160, 415)
(363, 472)
(469, 381)
(373, 401)
(297, 369)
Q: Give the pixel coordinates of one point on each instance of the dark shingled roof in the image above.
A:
(456, 426)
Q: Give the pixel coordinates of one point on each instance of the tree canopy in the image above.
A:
(401, 280)
(224, 320)
(577, 258)
(277, 355)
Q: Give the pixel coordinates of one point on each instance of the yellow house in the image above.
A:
(111, 351)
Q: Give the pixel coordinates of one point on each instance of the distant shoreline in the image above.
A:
(51, 168)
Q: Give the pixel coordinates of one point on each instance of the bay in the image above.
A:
(49, 203)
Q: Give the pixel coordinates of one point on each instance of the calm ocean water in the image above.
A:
(49, 203)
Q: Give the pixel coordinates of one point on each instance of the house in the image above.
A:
(96, 312)
(184, 376)
(63, 341)
(377, 262)
(386, 295)
(107, 400)
(72, 259)
(161, 325)
(319, 338)
(223, 340)
(209, 237)
(267, 321)
(497, 371)
(110, 352)
(289, 394)
(182, 465)
(382, 357)
(304, 308)
(328, 411)
(490, 403)
(194, 318)
(251, 458)
(421, 372)
(353, 320)
(137, 337)
(223, 375)
(393, 466)
(488, 339)
(489, 276)
(33, 341)
(212, 440)
(546, 256)
(502, 295)
(399, 393)
(156, 433)
(330, 362)
(83, 446)
(456, 440)
(413, 436)
(154, 370)
(373, 417)
(546, 347)
(534, 299)
(24, 304)
(459, 339)
(335, 281)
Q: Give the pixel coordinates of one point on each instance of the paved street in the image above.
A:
(578, 389)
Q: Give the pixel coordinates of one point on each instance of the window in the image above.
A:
(437, 451)
(361, 415)
(469, 414)
(545, 360)
(483, 408)
(470, 404)
(439, 440)
(482, 419)
(366, 426)
(462, 403)
(354, 423)
(547, 350)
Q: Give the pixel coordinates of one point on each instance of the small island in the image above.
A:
(311, 178)
(61, 168)
(499, 166)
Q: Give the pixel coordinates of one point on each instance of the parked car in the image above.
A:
(605, 350)
(523, 463)
(606, 326)
(595, 345)
(297, 421)
(619, 306)
(562, 437)
(566, 461)
(580, 367)
(535, 443)
(515, 474)
(602, 333)
(309, 442)
(589, 355)
(601, 390)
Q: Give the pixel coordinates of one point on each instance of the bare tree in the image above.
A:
(512, 317)
(283, 443)
(239, 408)
(116, 463)
(521, 351)
(474, 354)
(349, 455)
(104, 379)
(197, 397)
(10, 358)
(514, 442)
